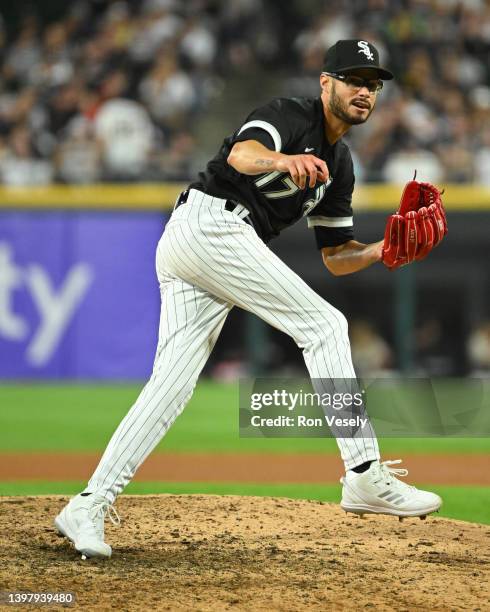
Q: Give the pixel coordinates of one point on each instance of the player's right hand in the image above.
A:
(304, 169)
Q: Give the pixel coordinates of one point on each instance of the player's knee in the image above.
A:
(342, 323)
(334, 325)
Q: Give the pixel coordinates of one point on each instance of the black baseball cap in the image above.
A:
(348, 55)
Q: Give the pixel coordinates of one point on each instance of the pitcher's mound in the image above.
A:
(205, 552)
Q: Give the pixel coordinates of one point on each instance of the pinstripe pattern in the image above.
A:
(208, 260)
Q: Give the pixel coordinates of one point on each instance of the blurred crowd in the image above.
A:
(114, 90)
(436, 115)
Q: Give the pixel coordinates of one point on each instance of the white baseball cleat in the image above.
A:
(378, 491)
(82, 521)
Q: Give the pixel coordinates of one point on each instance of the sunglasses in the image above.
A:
(356, 83)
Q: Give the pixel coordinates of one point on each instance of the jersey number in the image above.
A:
(287, 182)
(290, 189)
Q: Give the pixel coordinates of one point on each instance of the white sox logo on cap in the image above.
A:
(364, 48)
(347, 55)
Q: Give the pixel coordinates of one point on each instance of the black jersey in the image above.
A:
(292, 126)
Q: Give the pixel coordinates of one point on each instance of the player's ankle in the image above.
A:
(363, 467)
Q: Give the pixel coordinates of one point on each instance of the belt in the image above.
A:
(230, 206)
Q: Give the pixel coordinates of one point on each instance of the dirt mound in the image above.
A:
(200, 552)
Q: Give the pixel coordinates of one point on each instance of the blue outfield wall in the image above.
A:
(79, 297)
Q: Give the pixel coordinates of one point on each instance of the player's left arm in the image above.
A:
(332, 221)
(351, 256)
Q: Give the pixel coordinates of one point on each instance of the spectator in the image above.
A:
(24, 53)
(63, 106)
(482, 158)
(163, 55)
(19, 165)
(370, 352)
(125, 132)
(433, 352)
(168, 92)
(198, 44)
(400, 165)
(56, 66)
(479, 347)
(157, 26)
(78, 156)
(176, 161)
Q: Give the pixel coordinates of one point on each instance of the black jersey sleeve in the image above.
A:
(332, 219)
(274, 125)
(259, 134)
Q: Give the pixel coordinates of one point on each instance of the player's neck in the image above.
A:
(335, 128)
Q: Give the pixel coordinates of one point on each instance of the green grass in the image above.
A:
(40, 417)
(466, 503)
(73, 418)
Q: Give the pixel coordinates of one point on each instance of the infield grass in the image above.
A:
(41, 417)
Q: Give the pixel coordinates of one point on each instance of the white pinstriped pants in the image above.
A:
(209, 260)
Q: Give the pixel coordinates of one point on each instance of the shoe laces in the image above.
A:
(390, 473)
(103, 508)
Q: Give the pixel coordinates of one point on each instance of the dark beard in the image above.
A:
(338, 108)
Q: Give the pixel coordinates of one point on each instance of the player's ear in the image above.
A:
(324, 81)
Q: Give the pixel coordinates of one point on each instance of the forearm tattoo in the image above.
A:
(266, 163)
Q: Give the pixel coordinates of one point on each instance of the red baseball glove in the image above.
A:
(417, 227)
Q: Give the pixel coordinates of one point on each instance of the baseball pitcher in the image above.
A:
(286, 161)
